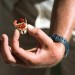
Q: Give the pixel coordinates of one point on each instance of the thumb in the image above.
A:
(38, 34)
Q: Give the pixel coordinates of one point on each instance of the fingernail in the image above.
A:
(30, 26)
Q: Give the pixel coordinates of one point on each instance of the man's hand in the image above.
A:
(46, 54)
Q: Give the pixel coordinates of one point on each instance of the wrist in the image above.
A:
(61, 40)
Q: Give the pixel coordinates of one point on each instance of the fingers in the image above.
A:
(19, 52)
(39, 34)
(6, 51)
(15, 40)
(26, 56)
(30, 58)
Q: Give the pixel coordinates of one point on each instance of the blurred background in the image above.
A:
(38, 13)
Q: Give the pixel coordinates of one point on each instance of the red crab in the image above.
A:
(21, 25)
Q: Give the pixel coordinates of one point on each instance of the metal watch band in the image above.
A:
(57, 38)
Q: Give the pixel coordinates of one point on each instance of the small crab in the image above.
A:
(21, 25)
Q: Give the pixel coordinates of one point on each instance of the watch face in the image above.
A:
(21, 25)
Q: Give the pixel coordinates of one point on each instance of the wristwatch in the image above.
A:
(62, 40)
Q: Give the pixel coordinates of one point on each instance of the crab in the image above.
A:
(21, 25)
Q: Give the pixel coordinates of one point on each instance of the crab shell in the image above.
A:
(22, 26)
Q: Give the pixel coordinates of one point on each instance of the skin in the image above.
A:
(63, 18)
(48, 53)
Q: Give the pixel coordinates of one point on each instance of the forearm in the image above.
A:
(63, 16)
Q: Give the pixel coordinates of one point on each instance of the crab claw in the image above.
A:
(15, 22)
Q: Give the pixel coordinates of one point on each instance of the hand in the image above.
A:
(46, 54)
